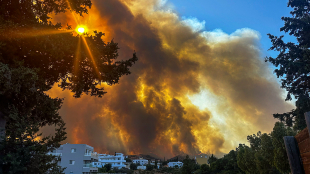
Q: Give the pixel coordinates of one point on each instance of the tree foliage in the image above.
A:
(165, 163)
(133, 166)
(128, 160)
(149, 167)
(189, 166)
(266, 155)
(280, 159)
(293, 62)
(108, 166)
(212, 159)
(102, 169)
(123, 170)
(246, 160)
(34, 56)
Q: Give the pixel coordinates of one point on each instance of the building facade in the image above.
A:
(140, 161)
(202, 159)
(173, 164)
(77, 158)
(141, 167)
(117, 160)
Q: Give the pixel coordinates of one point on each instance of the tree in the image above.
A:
(165, 163)
(205, 169)
(246, 160)
(264, 157)
(123, 170)
(133, 166)
(156, 166)
(255, 141)
(108, 166)
(263, 163)
(26, 106)
(128, 160)
(267, 148)
(280, 159)
(189, 166)
(212, 159)
(35, 55)
(292, 62)
(230, 164)
(102, 169)
(149, 167)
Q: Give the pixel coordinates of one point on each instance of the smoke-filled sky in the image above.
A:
(191, 91)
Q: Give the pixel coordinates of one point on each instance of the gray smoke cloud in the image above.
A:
(191, 91)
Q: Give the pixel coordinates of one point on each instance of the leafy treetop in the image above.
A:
(293, 62)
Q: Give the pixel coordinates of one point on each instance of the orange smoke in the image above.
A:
(189, 92)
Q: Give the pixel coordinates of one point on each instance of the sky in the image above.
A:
(263, 16)
(200, 85)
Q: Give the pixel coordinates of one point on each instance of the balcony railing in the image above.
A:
(111, 161)
(89, 165)
(93, 155)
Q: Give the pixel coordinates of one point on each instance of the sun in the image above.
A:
(81, 29)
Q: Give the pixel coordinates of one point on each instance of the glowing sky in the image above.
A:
(194, 88)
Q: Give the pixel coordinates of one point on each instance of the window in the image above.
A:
(71, 162)
(73, 150)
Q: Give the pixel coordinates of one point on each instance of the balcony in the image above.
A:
(89, 165)
(90, 168)
(92, 155)
(111, 160)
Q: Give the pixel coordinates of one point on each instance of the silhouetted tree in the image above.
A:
(108, 166)
(128, 160)
(292, 62)
(149, 167)
(34, 56)
(189, 166)
(156, 164)
(212, 159)
(164, 163)
(205, 169)
(255, 141)
(133, 166)
(102, 169)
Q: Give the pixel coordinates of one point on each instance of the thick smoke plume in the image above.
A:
(191, 91)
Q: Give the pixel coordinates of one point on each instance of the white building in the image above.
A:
(141, 167)
(173, 164)
(76, 158)
(116, 160)
(140, 161)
